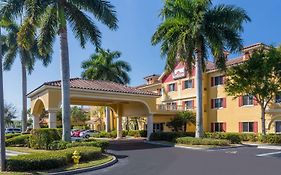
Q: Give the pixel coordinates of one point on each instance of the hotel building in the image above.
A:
(221, 113)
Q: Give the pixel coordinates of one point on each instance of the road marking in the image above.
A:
(268, 154)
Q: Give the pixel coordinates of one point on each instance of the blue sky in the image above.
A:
(138, 20)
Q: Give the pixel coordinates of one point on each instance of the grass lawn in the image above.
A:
(102, 160)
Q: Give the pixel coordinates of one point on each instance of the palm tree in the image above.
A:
(105, 66)
(27, 59)
(193, 28)
(53, 17)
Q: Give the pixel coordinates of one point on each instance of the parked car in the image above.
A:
(75, 133)
(88, 133)
(12, 130)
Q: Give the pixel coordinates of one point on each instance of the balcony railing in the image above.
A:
(165, 107)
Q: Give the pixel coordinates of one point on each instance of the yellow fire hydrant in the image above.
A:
(76, 157)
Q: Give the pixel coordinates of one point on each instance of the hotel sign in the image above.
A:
(179, 73)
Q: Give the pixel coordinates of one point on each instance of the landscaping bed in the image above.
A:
(113, 134)
(45, 151)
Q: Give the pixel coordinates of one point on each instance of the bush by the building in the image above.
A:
(51, 160)
(169, 136)
(202, 141)
(43, 138)
(270, 138)
(19, 140)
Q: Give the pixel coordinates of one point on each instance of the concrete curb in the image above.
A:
(195, 148)
(82, 170)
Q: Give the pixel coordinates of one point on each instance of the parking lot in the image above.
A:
(138, 158)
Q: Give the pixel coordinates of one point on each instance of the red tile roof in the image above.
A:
(211, 66)
(98, 85)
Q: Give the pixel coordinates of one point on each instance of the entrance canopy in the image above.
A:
(130, 101)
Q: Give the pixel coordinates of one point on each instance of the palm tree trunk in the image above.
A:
(24, 100)
(199, 100)
(65, 86)
(2, 121)
(263, 120)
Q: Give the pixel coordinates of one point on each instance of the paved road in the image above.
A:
(137, 158)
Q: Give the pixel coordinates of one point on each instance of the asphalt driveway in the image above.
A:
(139, 158)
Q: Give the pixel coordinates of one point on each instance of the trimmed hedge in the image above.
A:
(202, 141)
(270, 138)
(59, 145)
(42, 138)
(137, 133)
(51, 160)
(20, 140)
(112, 134)
(233, 137)
(8, 136)
(169, 136)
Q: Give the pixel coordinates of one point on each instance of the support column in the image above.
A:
(35, 122)
(52, 119)
(107, 119)
(149, 125)
(119, 127)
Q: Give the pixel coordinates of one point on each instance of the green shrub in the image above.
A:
(202, 141)
(42, 138)
(20, 140)
(233, 137)
(270, 138)
(112, 134)
(58, 145)
(169, 136)
(8, 136)
(137, 133)
(51, 160)
(96, 143)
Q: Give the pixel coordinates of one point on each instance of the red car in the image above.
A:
(75, 133)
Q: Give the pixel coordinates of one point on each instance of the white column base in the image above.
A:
(52, 119)
(149, 125)
(36, 122)
(119, 127)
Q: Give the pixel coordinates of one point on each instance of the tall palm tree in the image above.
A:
(105, 66)
(193, 28)
(27, 59)
(53, 17)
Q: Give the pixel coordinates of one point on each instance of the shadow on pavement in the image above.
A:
(125, 145)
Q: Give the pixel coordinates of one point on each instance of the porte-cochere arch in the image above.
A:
(123, 100)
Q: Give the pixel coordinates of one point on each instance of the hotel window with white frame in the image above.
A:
(158, 127)
(218, 127)
(278, 127)
(248, 100)
(188, 84)
(248, 126)
(218, 80)
(172, 87)
(218, 103)
(278, 97)
(188, 104)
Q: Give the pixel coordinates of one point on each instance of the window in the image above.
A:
(218, 127)
(172, 106)
(218, 103)
(248, 100)
(278, 98)
(158, 127)
(189, 104)
(248, 126)
(172, 87)
(188, 84)
(278, 126)
(160, 91)
(219, 80)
